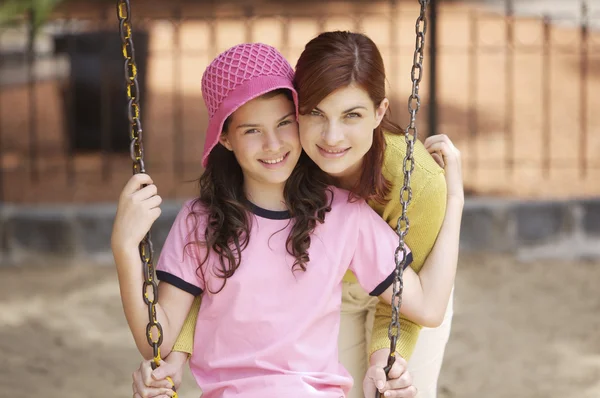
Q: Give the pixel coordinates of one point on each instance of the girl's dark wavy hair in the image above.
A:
(224, 206)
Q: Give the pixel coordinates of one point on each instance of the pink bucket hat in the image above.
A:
(236, 76)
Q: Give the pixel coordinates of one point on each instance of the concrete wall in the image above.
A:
(529, 230)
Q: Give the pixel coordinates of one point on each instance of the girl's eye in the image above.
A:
(284, 123)
(353, 115)
(315, 113)
(251, 131)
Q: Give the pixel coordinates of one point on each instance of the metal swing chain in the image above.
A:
(150, 287)
(414, 104)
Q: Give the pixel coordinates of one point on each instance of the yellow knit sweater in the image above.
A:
(426, 213)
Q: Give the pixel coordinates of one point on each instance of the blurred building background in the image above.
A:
(514, 83)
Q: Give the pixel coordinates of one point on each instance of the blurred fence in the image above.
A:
(515, 86)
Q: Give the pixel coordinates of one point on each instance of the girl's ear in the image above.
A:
(225, 142)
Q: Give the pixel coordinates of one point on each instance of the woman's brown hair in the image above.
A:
(334, 60)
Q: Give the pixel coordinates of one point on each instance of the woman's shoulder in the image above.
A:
(396, 151)
(428, 181)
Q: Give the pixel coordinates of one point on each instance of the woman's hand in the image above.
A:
(148, 383)
(399, 384)
(448, 157)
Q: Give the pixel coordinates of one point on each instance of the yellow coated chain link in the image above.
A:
(154, 332)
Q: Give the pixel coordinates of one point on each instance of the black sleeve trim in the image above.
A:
(179, 283)
(382, 287)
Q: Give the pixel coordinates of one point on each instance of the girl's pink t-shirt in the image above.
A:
(271, 332)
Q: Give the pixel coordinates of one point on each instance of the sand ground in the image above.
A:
(523, 330)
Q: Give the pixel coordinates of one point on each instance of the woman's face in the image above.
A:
(338, 132)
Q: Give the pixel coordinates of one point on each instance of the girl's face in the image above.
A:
(263, 135)
(338, 132)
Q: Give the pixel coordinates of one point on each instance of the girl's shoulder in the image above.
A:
(193, 206)
(193, 214)
(345, 204)
(337, 196)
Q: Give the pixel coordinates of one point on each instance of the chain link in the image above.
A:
(408, 166)
(154, 331)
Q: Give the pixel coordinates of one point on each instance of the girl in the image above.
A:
(279, 305)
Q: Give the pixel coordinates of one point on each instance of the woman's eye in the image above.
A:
(352, 115)
(315, 113)
(251, 131)
(285, 123)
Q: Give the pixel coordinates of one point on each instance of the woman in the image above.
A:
(340, 79)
